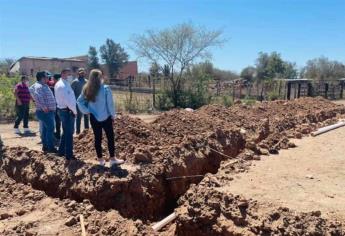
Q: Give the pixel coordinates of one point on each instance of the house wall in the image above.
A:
(29, 66)
(129, 69)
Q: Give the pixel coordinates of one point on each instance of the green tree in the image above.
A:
(269, 66)
(93, 61)
(114, 56)
(154, 69)
(177, 47)
(249, 73)
(290, 70)
(224, 75)
(166, 71)
(323, 69)
(272, 66)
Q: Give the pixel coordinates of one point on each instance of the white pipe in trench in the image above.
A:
(328, 128)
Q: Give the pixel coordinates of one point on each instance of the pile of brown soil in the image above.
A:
(205, 211)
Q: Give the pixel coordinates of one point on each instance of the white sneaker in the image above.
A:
(102, 162)
(27, 131)
(116, 161)
(17, 131)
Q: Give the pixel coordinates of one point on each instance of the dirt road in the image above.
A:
(307, 178)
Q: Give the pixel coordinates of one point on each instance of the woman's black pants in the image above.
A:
(97, 127)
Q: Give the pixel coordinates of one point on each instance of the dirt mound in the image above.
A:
(205, 211)
(25, 211)
(76, 180)
(129, 133)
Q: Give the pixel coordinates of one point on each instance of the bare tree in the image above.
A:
(5, 65)
(177, 47)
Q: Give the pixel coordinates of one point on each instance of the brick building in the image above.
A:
(31, 65)
(130, 69)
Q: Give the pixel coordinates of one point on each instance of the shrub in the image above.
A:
(273, 95)
(227, 101)
(7, 99)
(164, 101)
(131, 104)
(224, 100)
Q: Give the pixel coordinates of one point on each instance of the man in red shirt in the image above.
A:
(22, 94)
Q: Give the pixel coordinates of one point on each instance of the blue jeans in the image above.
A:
(66, 141)
(78, 122)
(46, 120)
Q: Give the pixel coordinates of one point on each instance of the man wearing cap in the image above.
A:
(45, 110)
(77, 86)
(67, 111)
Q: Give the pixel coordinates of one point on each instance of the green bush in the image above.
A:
(227, 101)
(7, 99)
(248, 101)
(224, 100)
(131, 104)
(273, 95)
(164, 101)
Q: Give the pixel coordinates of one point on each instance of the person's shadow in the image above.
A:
(115, 170)
(31, 134)
(74, 165)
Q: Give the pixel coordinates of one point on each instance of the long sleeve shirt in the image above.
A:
(102, 107)
(43, 97)
(65, 96)
(77, 86)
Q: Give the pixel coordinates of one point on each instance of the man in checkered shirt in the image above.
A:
(45, 110)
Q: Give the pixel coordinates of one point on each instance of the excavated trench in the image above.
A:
(144, 193)
(177, 144)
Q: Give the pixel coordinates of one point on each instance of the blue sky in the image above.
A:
(298, 29)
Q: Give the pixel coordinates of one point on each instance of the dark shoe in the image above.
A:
(60, 154)
(53, 150)
(44, 150)
(72, 158)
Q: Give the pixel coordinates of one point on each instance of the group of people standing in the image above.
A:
(61, 102)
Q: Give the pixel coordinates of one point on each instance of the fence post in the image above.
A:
(233, 92)
(130, 90)
(341, 89)
(326, 90)
(288, 91)
(153, 92)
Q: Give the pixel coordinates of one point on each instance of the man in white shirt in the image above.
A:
(67, 111)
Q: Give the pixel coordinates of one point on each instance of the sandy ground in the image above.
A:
(307, 178)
